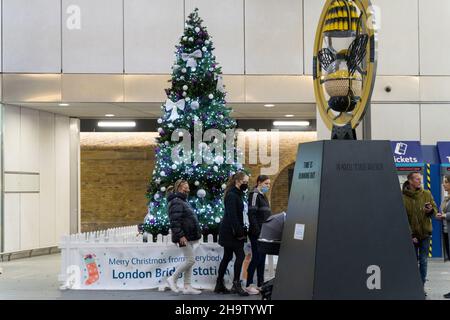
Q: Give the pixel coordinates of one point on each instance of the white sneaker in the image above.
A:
(189, 290)
(252, 290)
(172, 284)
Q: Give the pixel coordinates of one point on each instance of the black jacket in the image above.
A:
(232, 225)
(183, 219)
(258, 211)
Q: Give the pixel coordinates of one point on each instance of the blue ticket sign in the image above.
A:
(408, 154)
(444, 153)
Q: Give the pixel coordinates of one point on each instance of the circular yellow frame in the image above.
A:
(368, 27)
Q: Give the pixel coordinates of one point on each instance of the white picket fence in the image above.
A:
(121, 237)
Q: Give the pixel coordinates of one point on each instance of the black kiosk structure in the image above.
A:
(346, 234)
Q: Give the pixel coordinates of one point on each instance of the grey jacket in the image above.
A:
(445, 208)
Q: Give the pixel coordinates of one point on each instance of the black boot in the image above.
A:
(237, 288)
(220, 287)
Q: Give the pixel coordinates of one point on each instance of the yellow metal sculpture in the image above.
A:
(345, 55)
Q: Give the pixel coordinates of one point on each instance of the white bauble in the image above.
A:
(163, 189)
(170, 125)
(195, 105)
(201, 193)
(204, 49)
(219, 160)
(217, 220)
(184, 70)
(184, 94)
(224, 186)
(206, 42)
(196, 183)
(211, 69)
(156, 196)
(221, 116)
(185, 87)
(184, 38)
(187, 99)
(193, 69)
(181, 77)
(166, 143)
(211, 96)
(174, 167)
(197, 29)
(216, 168)
(162, 174)
(158, 181)
(191, 39)
(159, 121)
(160, 130)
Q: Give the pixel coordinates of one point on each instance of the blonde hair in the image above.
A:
(178, 184)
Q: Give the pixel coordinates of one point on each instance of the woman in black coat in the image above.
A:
(232, 233)
(185, 232)
(258, 212)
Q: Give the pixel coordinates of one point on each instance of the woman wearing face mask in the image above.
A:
(444, 215)
(185, 232)
(258, 212)
(232, 233)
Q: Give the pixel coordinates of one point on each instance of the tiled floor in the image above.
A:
(37, 278)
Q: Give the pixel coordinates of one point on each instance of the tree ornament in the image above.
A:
(163, 189)
(174, 167)
(185, 87)
(201, 193)
(195, 105)
(211, 96)
(196, 183)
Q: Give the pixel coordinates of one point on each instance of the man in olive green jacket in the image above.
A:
(420, 207)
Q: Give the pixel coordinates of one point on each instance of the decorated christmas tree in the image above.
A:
(195, 100)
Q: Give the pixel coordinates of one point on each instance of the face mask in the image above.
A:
(265, 189)
(243, 187)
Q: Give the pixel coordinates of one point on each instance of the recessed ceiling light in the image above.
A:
(289, 116)
(116, 124)
(63, 104)
(109, 115)
(269, 105)
(291, 123)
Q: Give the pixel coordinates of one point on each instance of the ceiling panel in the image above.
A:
(153, 110)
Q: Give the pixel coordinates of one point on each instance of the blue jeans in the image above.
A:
(257, 263)
(422, 257)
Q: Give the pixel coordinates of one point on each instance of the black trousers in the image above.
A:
(446, 245)
(227, 257)
(257, 263)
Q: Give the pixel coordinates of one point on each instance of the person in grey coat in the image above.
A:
(444, 215)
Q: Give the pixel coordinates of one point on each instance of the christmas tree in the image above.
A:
(195, 100)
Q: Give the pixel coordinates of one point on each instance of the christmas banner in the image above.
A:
(145, 267)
